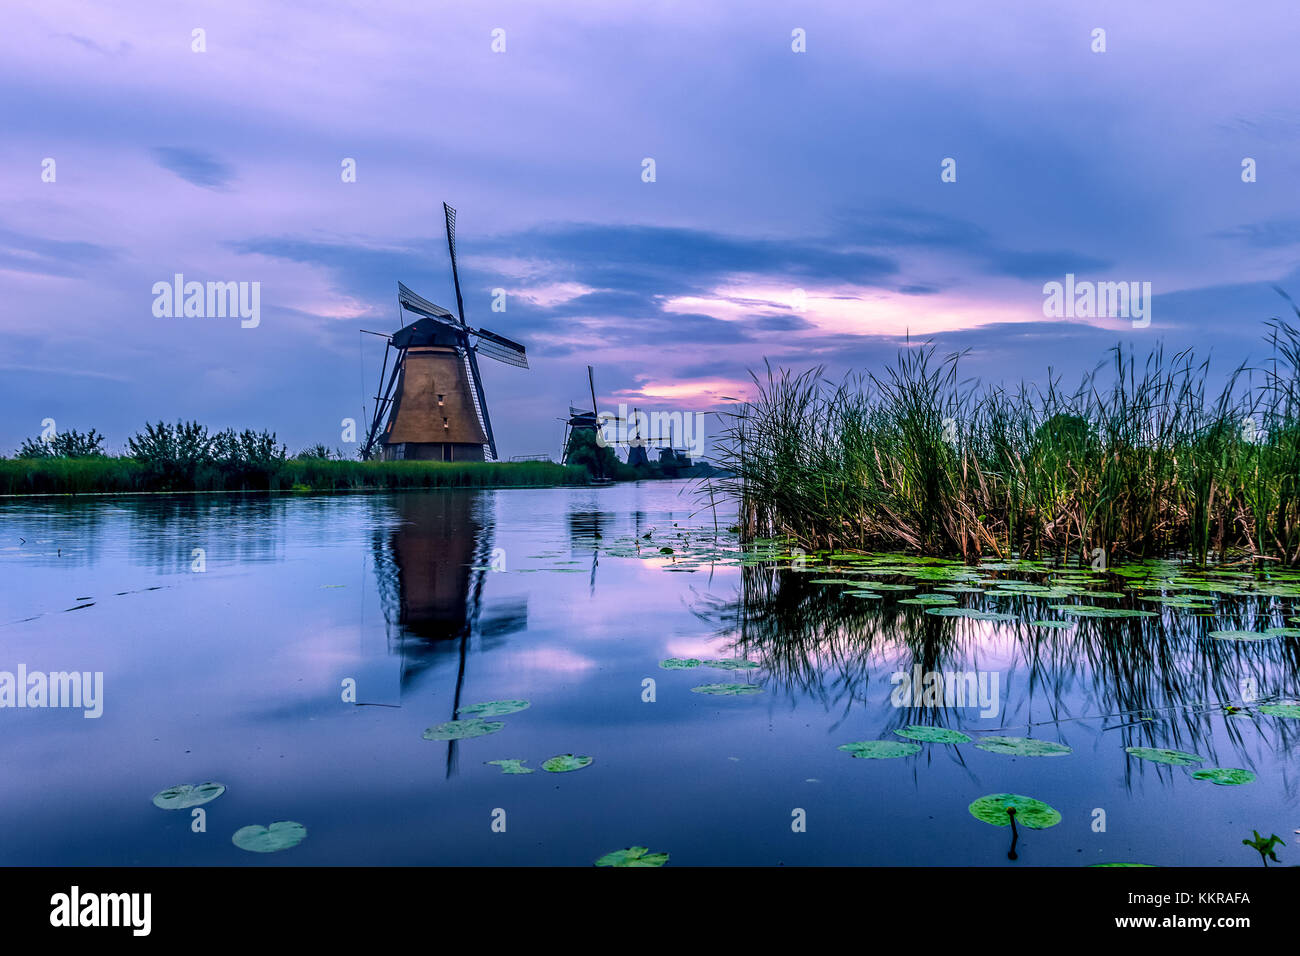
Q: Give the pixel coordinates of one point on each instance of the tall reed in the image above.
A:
(1139, 460)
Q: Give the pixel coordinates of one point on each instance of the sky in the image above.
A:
(798, 211)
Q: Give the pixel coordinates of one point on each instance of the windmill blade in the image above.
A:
(493, 346)
(418, 304)
(382, 402)
(451, 247)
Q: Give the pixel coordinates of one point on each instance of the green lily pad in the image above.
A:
(463, 729)
(565, 762)
(934, 735)
(494, 708)
(1240, 636)
(1022, 747)
(727, 690)
(1282, 631)
(862, 594)
(1029, 812)
(186, 795)
(509, 765)
(679, 663)
(1059, 625)
(1224, 776)
(1281, 710)
(1092, 610)
(973, 613)
(880, 749)
(278, 836)
(633, 856)
(1177, 758)
(732, 665)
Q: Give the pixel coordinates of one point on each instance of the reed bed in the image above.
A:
(102, 474)
(1142, 459)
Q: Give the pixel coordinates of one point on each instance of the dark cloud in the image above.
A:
(36, 255)
(194, 166)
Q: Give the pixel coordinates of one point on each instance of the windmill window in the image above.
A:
(440, 397)
(444, 423)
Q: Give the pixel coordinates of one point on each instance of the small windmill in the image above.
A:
(433, 406)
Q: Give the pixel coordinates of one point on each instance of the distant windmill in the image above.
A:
(580, 421)
(433, 406)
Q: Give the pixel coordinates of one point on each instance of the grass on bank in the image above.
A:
(102, 474)
(1141, 460)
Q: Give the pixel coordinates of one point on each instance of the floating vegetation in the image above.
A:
(679, 663)
(494, 708)
(1282, 631)
(1290, 709)
(1224, 776)
(1092, 610)
(930, 599)
(281, 835)
(1030, 812)
(1177, 758)
(933, 735)
(510, 765)
(565, 763)
(970, 612)
(463, 729)
(1240, 636)
(880, 749)
(187, 795)
(1059, 625)
(727, 690)
(862, 594)
(1022, 747)
(732, 665)
(633, 856)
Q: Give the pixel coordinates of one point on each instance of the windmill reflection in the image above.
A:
(432, 562)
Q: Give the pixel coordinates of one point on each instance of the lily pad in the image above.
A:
(1022, 747)
(934, 735)
(732, 665)
(1093, 610)
(1282, 631)
(1177, 758)
(880, 749)
(463, 729)
(633, 856)
(510, 765)
(1225, 776)
(278, 836)
(1029, 812)
(1240, 636)
(565, 762)
(727, 690)
(187, 795)
(679, 663)
(1059, 625)
(494, 708)
(1281, 710)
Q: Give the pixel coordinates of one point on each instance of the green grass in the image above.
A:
(120, 475)
(1138, 460)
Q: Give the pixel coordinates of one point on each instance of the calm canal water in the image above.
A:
(229, 629)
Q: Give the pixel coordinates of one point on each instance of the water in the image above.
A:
(427, 601)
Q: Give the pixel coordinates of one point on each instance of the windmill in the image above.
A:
(580, 421)
(433, 407)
